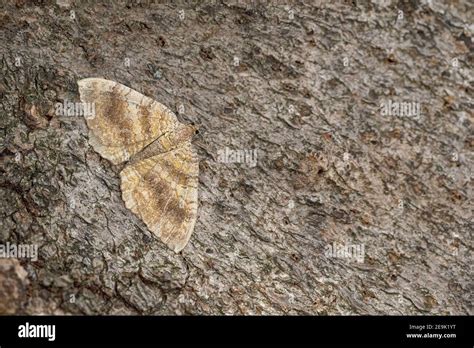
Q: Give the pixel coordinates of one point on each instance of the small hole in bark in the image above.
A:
(295, 257)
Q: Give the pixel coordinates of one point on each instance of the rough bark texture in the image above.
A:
(302, 84)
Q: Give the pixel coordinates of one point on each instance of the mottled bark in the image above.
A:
(306, 86)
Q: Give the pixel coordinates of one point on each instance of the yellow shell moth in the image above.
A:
(160, 179)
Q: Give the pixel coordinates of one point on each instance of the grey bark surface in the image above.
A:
(301, 84)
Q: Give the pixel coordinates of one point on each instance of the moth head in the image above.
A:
(189, 130)
(195, 128)
(184, 133)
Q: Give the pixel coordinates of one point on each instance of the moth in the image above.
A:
(159, 181)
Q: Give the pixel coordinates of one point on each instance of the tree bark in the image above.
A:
(307, 87)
